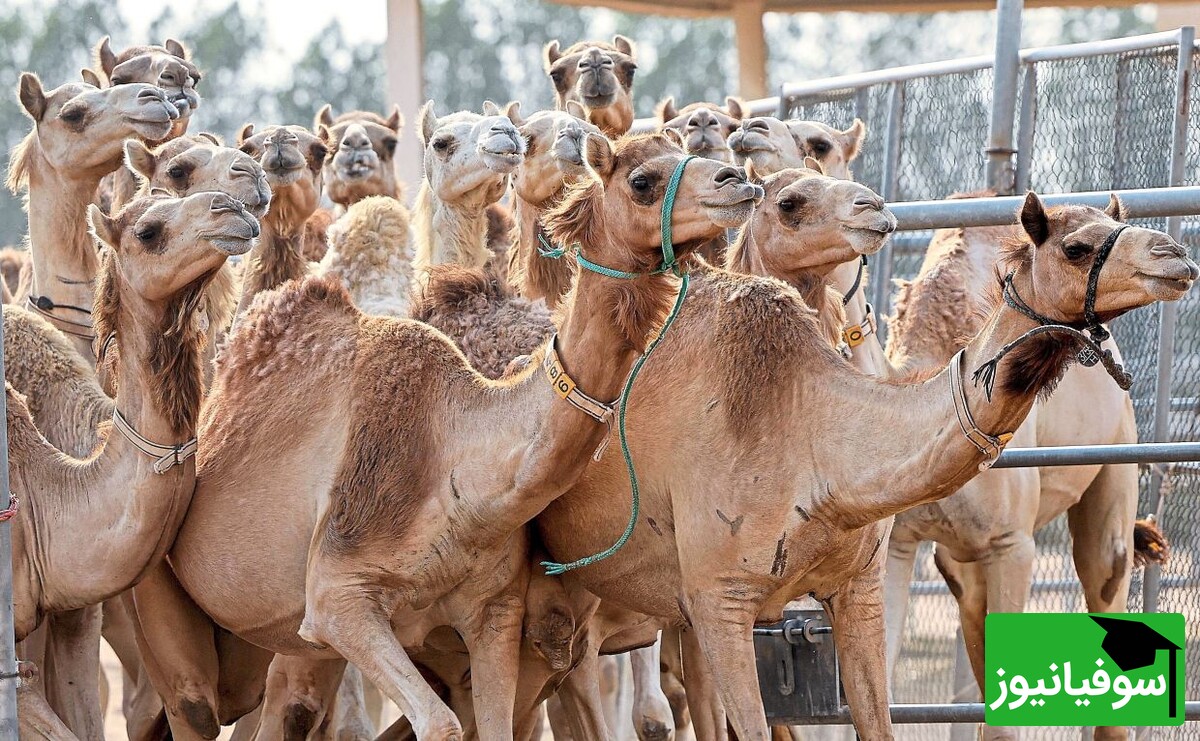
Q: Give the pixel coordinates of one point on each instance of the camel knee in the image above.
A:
(200, 715)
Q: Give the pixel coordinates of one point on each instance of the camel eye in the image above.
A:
(1076, 250)
(147, 233)
(821, 147)
(788, 205)
(442, 144)
(389, 145)
(176, 172)
(72, 115)
(640, 183)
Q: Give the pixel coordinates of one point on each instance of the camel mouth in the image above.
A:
(1168, 287)
(736, 205)
(152, 130)
(501, 163)
(711, 151)
(356, 164)
(865, 240)
(233, 246)
(599, 100)
(742, 142)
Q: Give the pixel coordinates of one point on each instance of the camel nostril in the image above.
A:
(729, 176)
(868, 202)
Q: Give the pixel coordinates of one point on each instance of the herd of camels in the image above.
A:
(287, 486)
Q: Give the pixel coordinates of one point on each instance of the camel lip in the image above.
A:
(734, 195)
(501, 163)
(232, 244)
(152, 130)
(1170, 282)
(599, 101)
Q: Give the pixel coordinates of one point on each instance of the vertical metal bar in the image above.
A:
(1027, 132)
(999, 174)
(1167, 311)
(8, 651)
(785, 104)
(882, 278)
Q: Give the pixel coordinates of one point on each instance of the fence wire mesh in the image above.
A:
(1100, 122)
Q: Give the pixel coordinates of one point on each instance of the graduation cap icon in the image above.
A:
(1132, 644)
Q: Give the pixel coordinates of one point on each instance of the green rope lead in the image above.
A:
(669, 264)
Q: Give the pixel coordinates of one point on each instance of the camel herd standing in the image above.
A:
(285, 486)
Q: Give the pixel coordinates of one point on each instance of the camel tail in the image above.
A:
(1149, 543)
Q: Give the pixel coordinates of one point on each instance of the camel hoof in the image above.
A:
(654, 730)
(200, 717)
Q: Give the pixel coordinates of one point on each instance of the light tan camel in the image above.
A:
(77, 139)
(468, 160)
(370, 252)
(160, 253)
(744, 527)
(598, 76)
(705, 127)
(12, 261)
(360, 161)
(553, 161)
(168, 67)
(292, 157)
(984, 532)
(465, 579)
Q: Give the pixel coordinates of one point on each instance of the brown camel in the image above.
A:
(598, 76)
(361, 147)
(161, 251)
(545, 446)
(985, 531)
(12, 261)
(468, 160)
(292, 157)
(168, 67)
(742, 528)
(705, 127)
(553, 161)
(76, 140)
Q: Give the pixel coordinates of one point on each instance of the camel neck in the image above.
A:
(61, 248)
(886, 419)
(869, 356)
(540, 277)
(450, 232)
(277, 258)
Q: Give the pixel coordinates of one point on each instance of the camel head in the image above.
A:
(167, 66)
(622, 201)
(361, 148)
(705, 126)
(554, 143)
(199, 163)
(163, 244)
(811, 223)
(773, 145)
(597, 75)
(1143, 266)
(80, 129)
(468, 156)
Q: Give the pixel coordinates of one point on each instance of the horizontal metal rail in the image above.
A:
(1090, 455)
(1064, 587)
(1141, 204)
(956, 712)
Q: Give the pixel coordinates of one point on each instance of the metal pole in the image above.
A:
(1027, 131)
(1167, 312)
(1006, 71)
(890, 184)
(8, 650)
(965, 712)
(1091, 455)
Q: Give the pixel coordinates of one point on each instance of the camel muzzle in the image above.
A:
(501, 147)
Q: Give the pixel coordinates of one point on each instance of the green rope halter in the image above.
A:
(669, 264)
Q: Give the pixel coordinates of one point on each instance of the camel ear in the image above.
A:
(324, 116)
(324, 134)
(1034, 219)
(576, 109)
(395, 121)
(428, 121)
(735, 108)
(490, 108)
(600, 155)
(513, 112)
(211, 137)
(102, 226)
(139, 159)
(32, 96)
(666, 109)
(106, 59)
(177, 49)
(814, 164)
(674, 136)
(551, 54)
(246, 132)
(90, 77)
(852, 139)
(624, 45)
(1116, 209)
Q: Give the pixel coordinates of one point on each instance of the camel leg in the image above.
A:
(579, 693)
(671, 677)
(856, 611)
(709, 719)
(139, 702)
(355, 623)
(350, 721)
(1101, 525)
(724, 625)
(652, 718)
(299, 691)
(897, 577)
(494, 643)
(558, 717)
(37, 720)
(72, 670)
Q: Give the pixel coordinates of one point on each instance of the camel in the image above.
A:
(553, 161)
(168, 67)
(77, 139)
(598, 76)
(984, 532)
(546, 445)
(361, 147)
(769, 523)
(468, 160)
(369, 252)
(12, 261)
(292, 157)
(705, 127)
(161, 251)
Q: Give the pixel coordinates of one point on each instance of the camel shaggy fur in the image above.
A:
(370, 252)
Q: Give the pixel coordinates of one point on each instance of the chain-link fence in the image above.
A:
(1090, 121)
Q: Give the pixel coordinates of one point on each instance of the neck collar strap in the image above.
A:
(989, 445)
(165, 457)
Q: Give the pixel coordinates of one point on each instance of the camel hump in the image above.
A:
(453, 288)
(372, 230)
